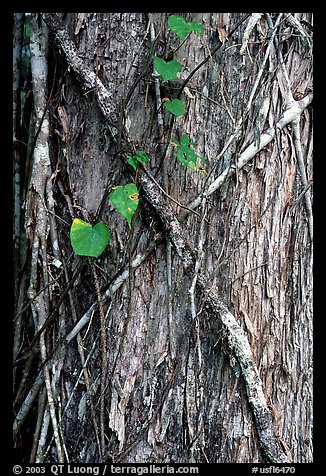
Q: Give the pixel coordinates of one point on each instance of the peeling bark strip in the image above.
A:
(237, 339)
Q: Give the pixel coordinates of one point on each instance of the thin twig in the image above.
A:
(43, 437)
(211, 54)
(50, 283)
(51, 403)
(231, 168)
(104, 363)
(288, 102)
(39, 424)
(169, 196)
(115, 285)
(199, 248)
(84, 364)
(49, 319)
(168, 251)
(195, 317)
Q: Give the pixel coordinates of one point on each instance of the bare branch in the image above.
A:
(231, 169)
(104, 362)
(43, 436)
(87, 77)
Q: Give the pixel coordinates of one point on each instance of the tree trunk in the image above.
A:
(198, 347)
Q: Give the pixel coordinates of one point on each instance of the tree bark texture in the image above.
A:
(221, 374)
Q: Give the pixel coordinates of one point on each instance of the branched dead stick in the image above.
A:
(53, 314)
(232, 168)
(289, 101)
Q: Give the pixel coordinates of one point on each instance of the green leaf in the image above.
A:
(131, 161)
(176, 107)
(181, 28)
(167, 69)
(184, 141)
(196, 27)
(141, 158)
(88, 240)
(187, 155)
(125, 200)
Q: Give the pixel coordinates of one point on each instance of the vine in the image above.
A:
(91, 240)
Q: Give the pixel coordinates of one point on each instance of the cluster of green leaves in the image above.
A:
(187, 155)
(91, 240)
(181, 28)
(170, 69)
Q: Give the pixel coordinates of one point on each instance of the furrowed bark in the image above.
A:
(236, 337)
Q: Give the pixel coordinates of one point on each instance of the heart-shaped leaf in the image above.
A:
(125, 200)
(181, 28)
(176, 107)
(134, 160)
(196, 27)
(88, 240)
(167, 69)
